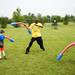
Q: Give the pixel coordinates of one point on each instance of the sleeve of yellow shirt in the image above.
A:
(39, 24)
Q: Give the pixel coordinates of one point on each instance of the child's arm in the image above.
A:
(10, 39)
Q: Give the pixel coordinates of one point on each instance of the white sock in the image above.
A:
(0, 55)
(3, 53)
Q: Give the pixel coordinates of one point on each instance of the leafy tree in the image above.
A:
(17, 17)
(65, 20)
(29, 18)
(48, 18)
(39, 17)
(54, 20)
(72, 18)
(3, 22)
(58, 18)
(45, 19)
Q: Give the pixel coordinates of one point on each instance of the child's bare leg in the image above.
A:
(3, 52)
(0, 54)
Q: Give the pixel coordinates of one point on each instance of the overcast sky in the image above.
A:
(44, 7)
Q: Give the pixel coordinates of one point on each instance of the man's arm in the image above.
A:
(40, 26)
(21, 23)
(27, 27)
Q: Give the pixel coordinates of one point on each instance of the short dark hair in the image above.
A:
(2, 31)
(36, 20)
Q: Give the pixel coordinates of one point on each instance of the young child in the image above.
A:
(2, 37)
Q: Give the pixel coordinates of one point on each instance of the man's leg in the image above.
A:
(40, 42)
(30, 44)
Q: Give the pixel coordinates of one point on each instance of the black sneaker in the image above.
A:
(26, 52)
(43, 49)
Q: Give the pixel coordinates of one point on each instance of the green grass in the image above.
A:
(39, 62)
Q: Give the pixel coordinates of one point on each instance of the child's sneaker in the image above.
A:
(0, 58)
(5, 57)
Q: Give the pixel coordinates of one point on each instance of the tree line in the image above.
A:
(30, 17)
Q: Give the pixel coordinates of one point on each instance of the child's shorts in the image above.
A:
(1, 49)
(1, 44)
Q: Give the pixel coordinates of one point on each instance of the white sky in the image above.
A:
(44, 7)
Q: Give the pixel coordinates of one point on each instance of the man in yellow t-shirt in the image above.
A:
(36, 30)
(36, 35)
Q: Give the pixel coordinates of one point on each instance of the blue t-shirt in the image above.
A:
(2, 37)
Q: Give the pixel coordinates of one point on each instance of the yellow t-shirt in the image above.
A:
(36, 29)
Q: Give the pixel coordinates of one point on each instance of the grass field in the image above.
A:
(39, 62)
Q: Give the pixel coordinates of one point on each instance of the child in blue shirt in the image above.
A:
(2, 37)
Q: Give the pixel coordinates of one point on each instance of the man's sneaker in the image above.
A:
(43, 49)
(26, 52)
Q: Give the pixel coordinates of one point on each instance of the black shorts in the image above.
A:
(1, 44)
